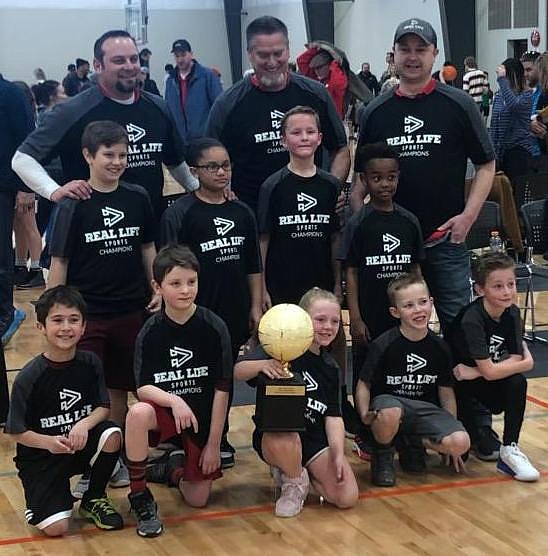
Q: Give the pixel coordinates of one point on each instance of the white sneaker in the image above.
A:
(276, 473)
(120, 475)
(294, 493)
(514, 462)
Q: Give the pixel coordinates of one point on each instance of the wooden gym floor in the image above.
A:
(440, 513)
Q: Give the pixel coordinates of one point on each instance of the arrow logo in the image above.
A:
(414, 362)
(68, 398)
(223, 225)
(389, 243)
(305, 202)
(495, 342)
(112, 216)
(412, 124)
(134, 132)
(179, 356)
(310, 383)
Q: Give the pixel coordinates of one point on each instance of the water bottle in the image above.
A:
(495, 242)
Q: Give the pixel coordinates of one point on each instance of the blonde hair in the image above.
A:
(315, 294)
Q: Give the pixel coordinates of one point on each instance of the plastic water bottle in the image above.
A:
(495, 242)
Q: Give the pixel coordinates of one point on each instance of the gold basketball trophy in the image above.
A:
(285, 333)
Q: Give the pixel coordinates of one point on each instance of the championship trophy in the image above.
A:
(285, 333)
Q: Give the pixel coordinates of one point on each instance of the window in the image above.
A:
(500, 14)
(526, 13)
(137, 20)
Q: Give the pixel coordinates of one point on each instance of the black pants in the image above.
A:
(507, 395)
(516, 162)
(7, 210)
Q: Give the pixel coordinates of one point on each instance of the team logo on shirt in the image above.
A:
(310, 383)
(223, 226)
(389, 243)
(495, 342)
(134, 132)
(305, 202)
(415, 362)
(179, 356)
(411, 124)
(273, 135)
(68, 398)
(112, 216)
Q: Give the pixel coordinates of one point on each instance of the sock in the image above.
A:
(100, 474)
(137, 481)
(21, 262)
(35, 265)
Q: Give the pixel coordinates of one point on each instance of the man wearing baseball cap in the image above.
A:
(190, 91)
(435, 128)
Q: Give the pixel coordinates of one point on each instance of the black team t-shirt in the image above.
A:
(407, 369)
(321, 377)
(189, 360)
(474, 335)
(381, 246)
(50, 398)
(299, 215)
(102, 238)
(153, 138)
(247, 120)
(434, 135)
(224, 238)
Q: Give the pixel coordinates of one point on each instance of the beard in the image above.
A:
(273, 81)
(127, 87)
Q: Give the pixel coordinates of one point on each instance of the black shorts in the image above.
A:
(46, 480)
(113, 341)
(312, 447)
(422, 419)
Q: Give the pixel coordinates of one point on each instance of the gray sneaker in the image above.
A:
(146, 513)
(120, 475)
(294, 493)
(81, 487)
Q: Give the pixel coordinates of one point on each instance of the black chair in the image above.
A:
(531, 187)
(533, 221)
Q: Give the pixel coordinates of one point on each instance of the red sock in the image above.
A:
(137, 481)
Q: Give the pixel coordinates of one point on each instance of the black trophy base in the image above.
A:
(280, 404)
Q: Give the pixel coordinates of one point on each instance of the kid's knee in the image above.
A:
(57, 529)
(457, 443)
(281, 443)
(387, 418)
(139, 414)
(113, 442)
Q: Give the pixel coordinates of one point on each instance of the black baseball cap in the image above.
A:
(418, 27)
(182, 45)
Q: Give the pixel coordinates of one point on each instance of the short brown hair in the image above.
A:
(299, 110)
(103, 133)
(67, 296)
(404, 281)
(171, 256)
(488, 263)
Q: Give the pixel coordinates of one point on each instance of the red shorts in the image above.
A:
(191, 470)
(113, 341)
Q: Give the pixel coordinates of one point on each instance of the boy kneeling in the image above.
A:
(58, 411)
(404, 380)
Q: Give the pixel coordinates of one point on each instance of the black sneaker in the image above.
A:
(412, 456)
(160, 471)
(101, 512)
(487, 444)
(146, 512)
(35, 279)
(227, 454)
(20, 275)
(382, 467)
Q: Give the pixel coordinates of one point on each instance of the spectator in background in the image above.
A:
(71, 70)
(474, 81)
(74, 82)
(168, 69)
(39, 75)
(144, 58)
(190, 92)
(539, 74)
(148, 84)
(514, 144)
(448, 74)
(369, 79)
(390, 70)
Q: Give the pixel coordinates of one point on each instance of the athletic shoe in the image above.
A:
(146, 512)
(227, 454)
(81, 487)
(160, 472)
(412, 455)
(20, 275)
(276, 473)
(294, 493)
(487, 444)
(362, 448)
(120, 475)
(514, 462)
(382, 467)
(102, 513)
(35, 279)
(18, 317)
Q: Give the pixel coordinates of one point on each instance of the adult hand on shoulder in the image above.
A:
(24, 202)
(75, 189)
(155, 303)
(459, 226)
(182, 415)
(210, 459)
(78, 436)
(229, 194)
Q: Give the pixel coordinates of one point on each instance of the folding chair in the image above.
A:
(531, 187)
(533, 220)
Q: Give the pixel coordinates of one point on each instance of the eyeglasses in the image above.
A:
(214, 167)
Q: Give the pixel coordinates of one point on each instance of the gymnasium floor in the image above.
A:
(480, 512)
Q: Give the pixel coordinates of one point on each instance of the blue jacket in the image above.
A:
(203, 88)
